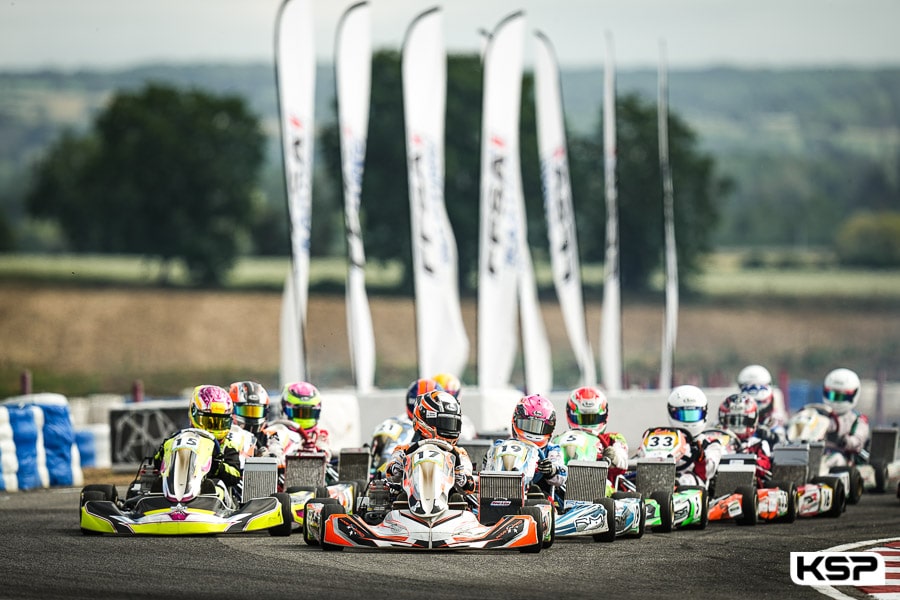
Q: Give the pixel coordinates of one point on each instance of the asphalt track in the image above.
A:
(43, 555)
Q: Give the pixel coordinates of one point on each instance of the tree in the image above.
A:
(163, 173)
(698, 191)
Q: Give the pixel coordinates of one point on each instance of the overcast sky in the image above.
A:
(74, 34)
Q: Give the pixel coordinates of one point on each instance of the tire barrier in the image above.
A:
(37, 443)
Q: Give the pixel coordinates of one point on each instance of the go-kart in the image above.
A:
(817, 495)
(588, 481)
(740, 495)
(585, 512)
(426, 515)
(874, 468)
(179, 499)
(668, 506)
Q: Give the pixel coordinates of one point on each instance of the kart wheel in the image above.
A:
(287, 517)
(788, 486)
(327, 511)
(610, 534)
(839, 502)
(881, 476)
(642, 520)
(108, 491)
(666, 511)
(321, 492)
(535, 513)
(749, 506)
(856, 483)
(90, 496)
(308, 537)
(704, 504)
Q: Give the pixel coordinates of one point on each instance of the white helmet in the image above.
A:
(687, 408)
(841, 390)
(756, 381)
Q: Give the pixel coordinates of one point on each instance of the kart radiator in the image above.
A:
(735, 470)
(655, 474)
(477, 450)
(791, 462)
(354, 464)
(499, 493)
(885, 445)
(260, 478)
(587, 480)
(305, 470)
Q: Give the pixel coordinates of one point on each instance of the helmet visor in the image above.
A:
(211, 422)
(302, 411)
(687, 414)
(250, 411)
(589, 419)
(535, 426)
(448, 426)
(839, 397)
(739, 422)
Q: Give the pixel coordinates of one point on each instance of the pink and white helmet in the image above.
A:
(534, 420)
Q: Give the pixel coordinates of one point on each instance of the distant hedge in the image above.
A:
(870, 239)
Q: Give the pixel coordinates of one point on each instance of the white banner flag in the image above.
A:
(295, 60)
(500, 246)
(353, 71)
(611, 326)
(443, 346)
(670, 325)
(558, 207)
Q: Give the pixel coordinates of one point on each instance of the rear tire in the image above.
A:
(287, 517)
(90, 496)
(109, 492)
(749, 506)
(666, 511)
(610, 534)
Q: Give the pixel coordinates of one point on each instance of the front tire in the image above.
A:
(791, 515)
(535, 513)
(749, 506)
(327, 511)
(610, 534)
(666, 511)
(287, 517)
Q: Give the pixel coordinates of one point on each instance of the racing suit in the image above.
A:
(249, 443)
(226, 461)
(847, 439)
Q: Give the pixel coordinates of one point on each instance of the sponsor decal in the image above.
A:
(837, 568)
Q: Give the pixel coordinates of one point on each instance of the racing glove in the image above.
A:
(547, 468)
(463, 482)
(610, 454)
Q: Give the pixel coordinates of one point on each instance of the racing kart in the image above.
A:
(668, 506)
(587, 511)
(427, 514)
(738, 494)
(874, 468)
(588, 480)
(179, 499)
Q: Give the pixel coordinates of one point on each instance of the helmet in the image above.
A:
(416, 389)
(587, 409)
(438, 416)
(211, 410)
(449, 382)
(251, 400)
(841, 390)
(687, 408)
(757, 381)
(534, 420)
(301, 404)
(740, 414)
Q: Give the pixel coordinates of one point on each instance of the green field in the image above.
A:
(808, 276)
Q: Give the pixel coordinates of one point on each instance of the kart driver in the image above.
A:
(251, 401)
(739, 413)
(211, 409)
(437, 416)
